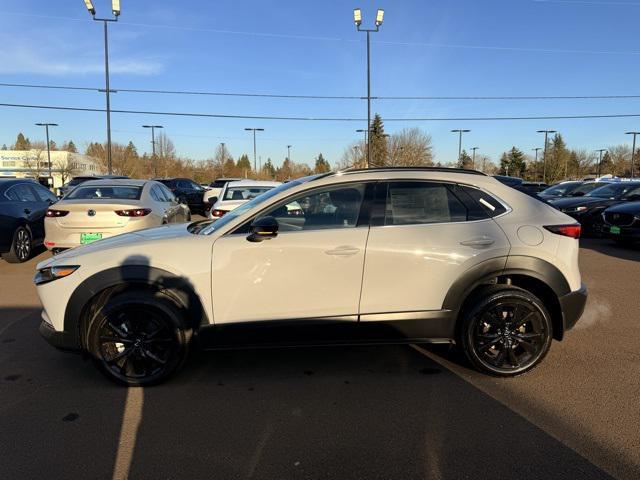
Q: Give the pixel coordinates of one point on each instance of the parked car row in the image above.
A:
(604, 207)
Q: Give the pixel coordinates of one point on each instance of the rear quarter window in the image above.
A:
(487, 203)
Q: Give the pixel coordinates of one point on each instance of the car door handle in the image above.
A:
(343, 251)
(478, 242)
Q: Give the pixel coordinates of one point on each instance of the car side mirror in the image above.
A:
(213, 200)
(263, 228)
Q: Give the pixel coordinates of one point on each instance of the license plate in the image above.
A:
(89, 237)
(615, 230)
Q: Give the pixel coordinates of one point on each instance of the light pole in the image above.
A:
(115, 9)
(633, 151)
(46, 127)
(254, 130)
(357, 19)
(601, 151)
(544, 155)
(537, 149)
(153, 146)
(473, 162)
(289, 152)
(460, 132)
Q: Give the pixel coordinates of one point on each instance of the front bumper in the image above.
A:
(572, 306)
(60, 340)
(631, 233)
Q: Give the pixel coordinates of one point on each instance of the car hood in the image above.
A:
(562, 203)
(627, 207)
(163, 232)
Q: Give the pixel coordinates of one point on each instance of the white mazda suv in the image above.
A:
(390, 255)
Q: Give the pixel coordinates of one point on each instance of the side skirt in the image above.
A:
(374, 329)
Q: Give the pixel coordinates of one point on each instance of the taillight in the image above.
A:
(572, 230)
(136, 212)
(56, 213)
(217, 213)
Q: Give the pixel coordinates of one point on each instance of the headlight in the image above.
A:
(575, 209)
(49, 274)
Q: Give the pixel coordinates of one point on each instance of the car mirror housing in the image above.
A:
(263, 228)
(213, 200)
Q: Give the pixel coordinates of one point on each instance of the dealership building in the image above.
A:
(34, 164)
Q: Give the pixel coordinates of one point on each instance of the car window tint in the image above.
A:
(336, 207)
(475, 210)
(44, 194)
(157, 195)
(107, 192)
(21, 193)
(410, 203)
(490, 205)
(184, 184)
(168, 194)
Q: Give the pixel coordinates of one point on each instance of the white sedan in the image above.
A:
(104, 208)
(234, 194)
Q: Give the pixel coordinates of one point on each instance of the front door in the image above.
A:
(311, 270)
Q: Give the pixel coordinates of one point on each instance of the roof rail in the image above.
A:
(422, 169)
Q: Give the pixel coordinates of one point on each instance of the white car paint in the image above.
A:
(227, 204)
(314, 273)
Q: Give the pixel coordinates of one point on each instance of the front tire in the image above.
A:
(138, 338)
(506, 331)
(21, 247)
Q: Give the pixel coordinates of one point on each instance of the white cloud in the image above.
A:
(24, 56)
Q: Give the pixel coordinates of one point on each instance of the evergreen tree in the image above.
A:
(504, 164)
(52, 145)
(378, 142)
(465, 160)
(96, 150)
(71, 147)
(269, 169)
(322, 166)
(22, 143)
(131, 149)
(557, 157)
(4, 146)
(244, 164)
(513, 163)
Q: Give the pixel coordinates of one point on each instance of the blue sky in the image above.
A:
(425, 47)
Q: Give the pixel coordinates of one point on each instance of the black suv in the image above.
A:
(186, 191)
(23, 204)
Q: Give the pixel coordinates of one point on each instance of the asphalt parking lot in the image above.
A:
(340, 412)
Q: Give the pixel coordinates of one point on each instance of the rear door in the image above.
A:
(424, 235)
(29, 207)
(44, 199)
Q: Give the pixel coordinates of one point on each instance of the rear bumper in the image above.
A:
(60, 340)
(572, 305)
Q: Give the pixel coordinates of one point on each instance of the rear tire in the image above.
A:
(505, 331)
(21, 247)
(138, 338)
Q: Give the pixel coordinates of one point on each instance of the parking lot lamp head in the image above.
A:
(379, 17)
(115, 7)
(90, 7)
(357, 16)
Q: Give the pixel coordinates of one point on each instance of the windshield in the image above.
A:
(244, 193)
(633, 191)
(560, 189)
(107, 192)
(585, 188)
(233, 214)
(606, 191)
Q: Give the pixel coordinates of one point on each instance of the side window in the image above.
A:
(184, 184)
(44, 194)
(156, 194)
(490, 205)
(411, 203)
(475, 210)
(336, 207)
(12, 194)
(167, 194)
(21, 193)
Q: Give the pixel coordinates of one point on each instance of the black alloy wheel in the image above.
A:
(138, 343)
(507, 332)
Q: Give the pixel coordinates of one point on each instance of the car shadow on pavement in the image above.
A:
(611, 248)
(332, 412)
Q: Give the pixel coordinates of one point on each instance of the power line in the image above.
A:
(328, 97)
(320, 119)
